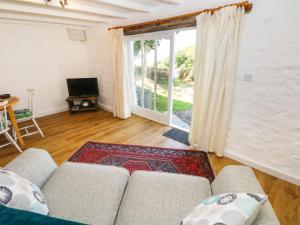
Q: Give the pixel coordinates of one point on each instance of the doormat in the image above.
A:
(178, 135)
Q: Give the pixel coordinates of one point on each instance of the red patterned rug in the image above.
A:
(134, 157)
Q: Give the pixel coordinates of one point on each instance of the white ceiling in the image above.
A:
(114, 12)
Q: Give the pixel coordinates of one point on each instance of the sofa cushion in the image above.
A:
(22, 114)
(153, 198)
(230, 208)
(86, 193)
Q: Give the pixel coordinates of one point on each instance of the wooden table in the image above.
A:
(11, 102)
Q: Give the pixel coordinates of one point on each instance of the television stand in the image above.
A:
(75, 103)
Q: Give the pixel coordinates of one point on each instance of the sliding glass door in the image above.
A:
(150, 60)
(162, 76)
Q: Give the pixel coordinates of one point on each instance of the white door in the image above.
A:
(151, 60)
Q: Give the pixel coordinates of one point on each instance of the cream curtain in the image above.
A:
(215, 71)
(121, 94)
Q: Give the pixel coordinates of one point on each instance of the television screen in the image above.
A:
(83, 87)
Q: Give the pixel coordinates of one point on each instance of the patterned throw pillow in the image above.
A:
(19, 193)
(227, 209)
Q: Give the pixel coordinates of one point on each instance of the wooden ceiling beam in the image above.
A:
(49, 20)
(172, 2)
(44, 11)
(125, 4)
(73, 7)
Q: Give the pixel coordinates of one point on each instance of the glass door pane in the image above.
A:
(138, 76)
(183, 81)
(151, 76)
(149, 68)
(162, 75)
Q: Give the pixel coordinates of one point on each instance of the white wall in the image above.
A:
(99, 62)
(265, 127)
(39, 56)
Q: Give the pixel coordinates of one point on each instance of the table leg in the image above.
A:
(14, 124)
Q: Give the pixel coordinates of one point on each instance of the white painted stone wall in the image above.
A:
(39, 56)
(99, 62)
(265, 127)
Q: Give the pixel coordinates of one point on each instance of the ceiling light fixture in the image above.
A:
(63, 3)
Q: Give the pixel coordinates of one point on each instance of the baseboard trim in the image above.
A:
(105, 107)
(65, 108)
(267, 169)
(50, 112)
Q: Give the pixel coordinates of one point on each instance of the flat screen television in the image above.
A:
(83, 87)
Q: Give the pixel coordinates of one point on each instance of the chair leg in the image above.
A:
(14, 135)
(12, 141)
(37, 126)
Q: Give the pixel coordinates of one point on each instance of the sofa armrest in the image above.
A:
(236, 179)
(33, 164)
(241, 179)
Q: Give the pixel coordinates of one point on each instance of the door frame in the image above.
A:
(164, 118)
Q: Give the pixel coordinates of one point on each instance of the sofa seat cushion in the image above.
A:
(86, 193)
(154, 198)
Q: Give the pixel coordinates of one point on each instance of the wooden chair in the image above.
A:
(4, 126)
(23, 115)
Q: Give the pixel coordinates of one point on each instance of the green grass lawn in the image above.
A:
(183, 84)
(178, 105)
(162, 104)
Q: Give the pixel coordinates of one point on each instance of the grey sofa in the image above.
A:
(107, 195)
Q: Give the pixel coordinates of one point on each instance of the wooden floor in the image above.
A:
(66, 133)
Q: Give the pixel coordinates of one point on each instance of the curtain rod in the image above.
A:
(247, 5)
